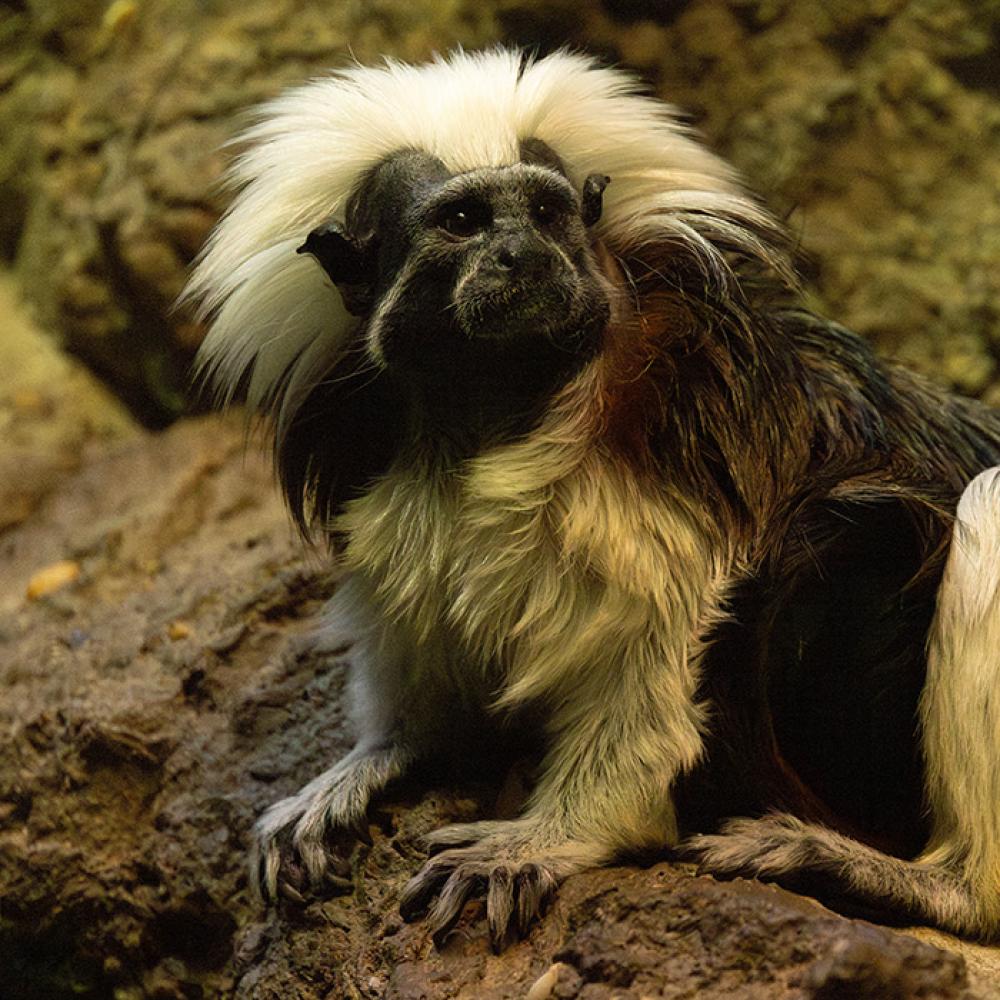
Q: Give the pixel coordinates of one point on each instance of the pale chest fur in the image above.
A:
(536, 569)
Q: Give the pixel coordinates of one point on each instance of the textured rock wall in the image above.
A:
(113, 117)
(874, 127)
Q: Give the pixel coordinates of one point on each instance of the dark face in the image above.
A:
(469, 271)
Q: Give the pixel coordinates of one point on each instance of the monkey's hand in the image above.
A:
(290, 856)
(516, 865)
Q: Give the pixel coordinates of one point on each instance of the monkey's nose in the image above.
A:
(520, 257)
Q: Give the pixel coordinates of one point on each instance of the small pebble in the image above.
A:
(178, 630)
(543, 986)
(52, 578)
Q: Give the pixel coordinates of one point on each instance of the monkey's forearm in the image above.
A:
(628, 722)
(617, 752)
(392, 729)
(626, 727)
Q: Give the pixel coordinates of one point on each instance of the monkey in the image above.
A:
(538, 369)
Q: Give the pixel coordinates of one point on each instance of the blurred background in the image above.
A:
(872, 126)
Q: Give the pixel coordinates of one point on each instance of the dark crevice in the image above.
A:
(980, 71)
(197, 931)
(42, 960)
(660, 11)
(153, 383)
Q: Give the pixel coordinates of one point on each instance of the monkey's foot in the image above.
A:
(770, 847)
(515, 865)
(843, 872)
(803, 857)
(291, 855)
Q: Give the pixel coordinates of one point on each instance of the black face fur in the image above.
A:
(485, 275)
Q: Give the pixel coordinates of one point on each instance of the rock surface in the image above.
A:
(52, 410)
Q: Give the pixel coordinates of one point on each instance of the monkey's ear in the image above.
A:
(350, 264)
(592, 200)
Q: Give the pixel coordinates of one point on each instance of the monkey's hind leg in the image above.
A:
(955, 883)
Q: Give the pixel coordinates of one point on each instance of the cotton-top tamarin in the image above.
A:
(536, 368)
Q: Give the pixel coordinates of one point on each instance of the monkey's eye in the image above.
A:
(545, 212)
(463, 218)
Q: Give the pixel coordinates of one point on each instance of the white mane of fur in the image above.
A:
(275, 315)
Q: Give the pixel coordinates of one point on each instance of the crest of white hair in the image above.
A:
(277, 321)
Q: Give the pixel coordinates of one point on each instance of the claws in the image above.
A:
(339, 868)
(281, 875)
(516, 893)
(293, 862)
(264, 867)
(289, 892)
(421, 889)
(360, 831)
(774, 846)
(535, 888)
(291, 855)
(500, 901)
(448, 907)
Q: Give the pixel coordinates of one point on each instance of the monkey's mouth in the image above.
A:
(516, 309)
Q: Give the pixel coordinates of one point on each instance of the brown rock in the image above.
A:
(51, 411)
